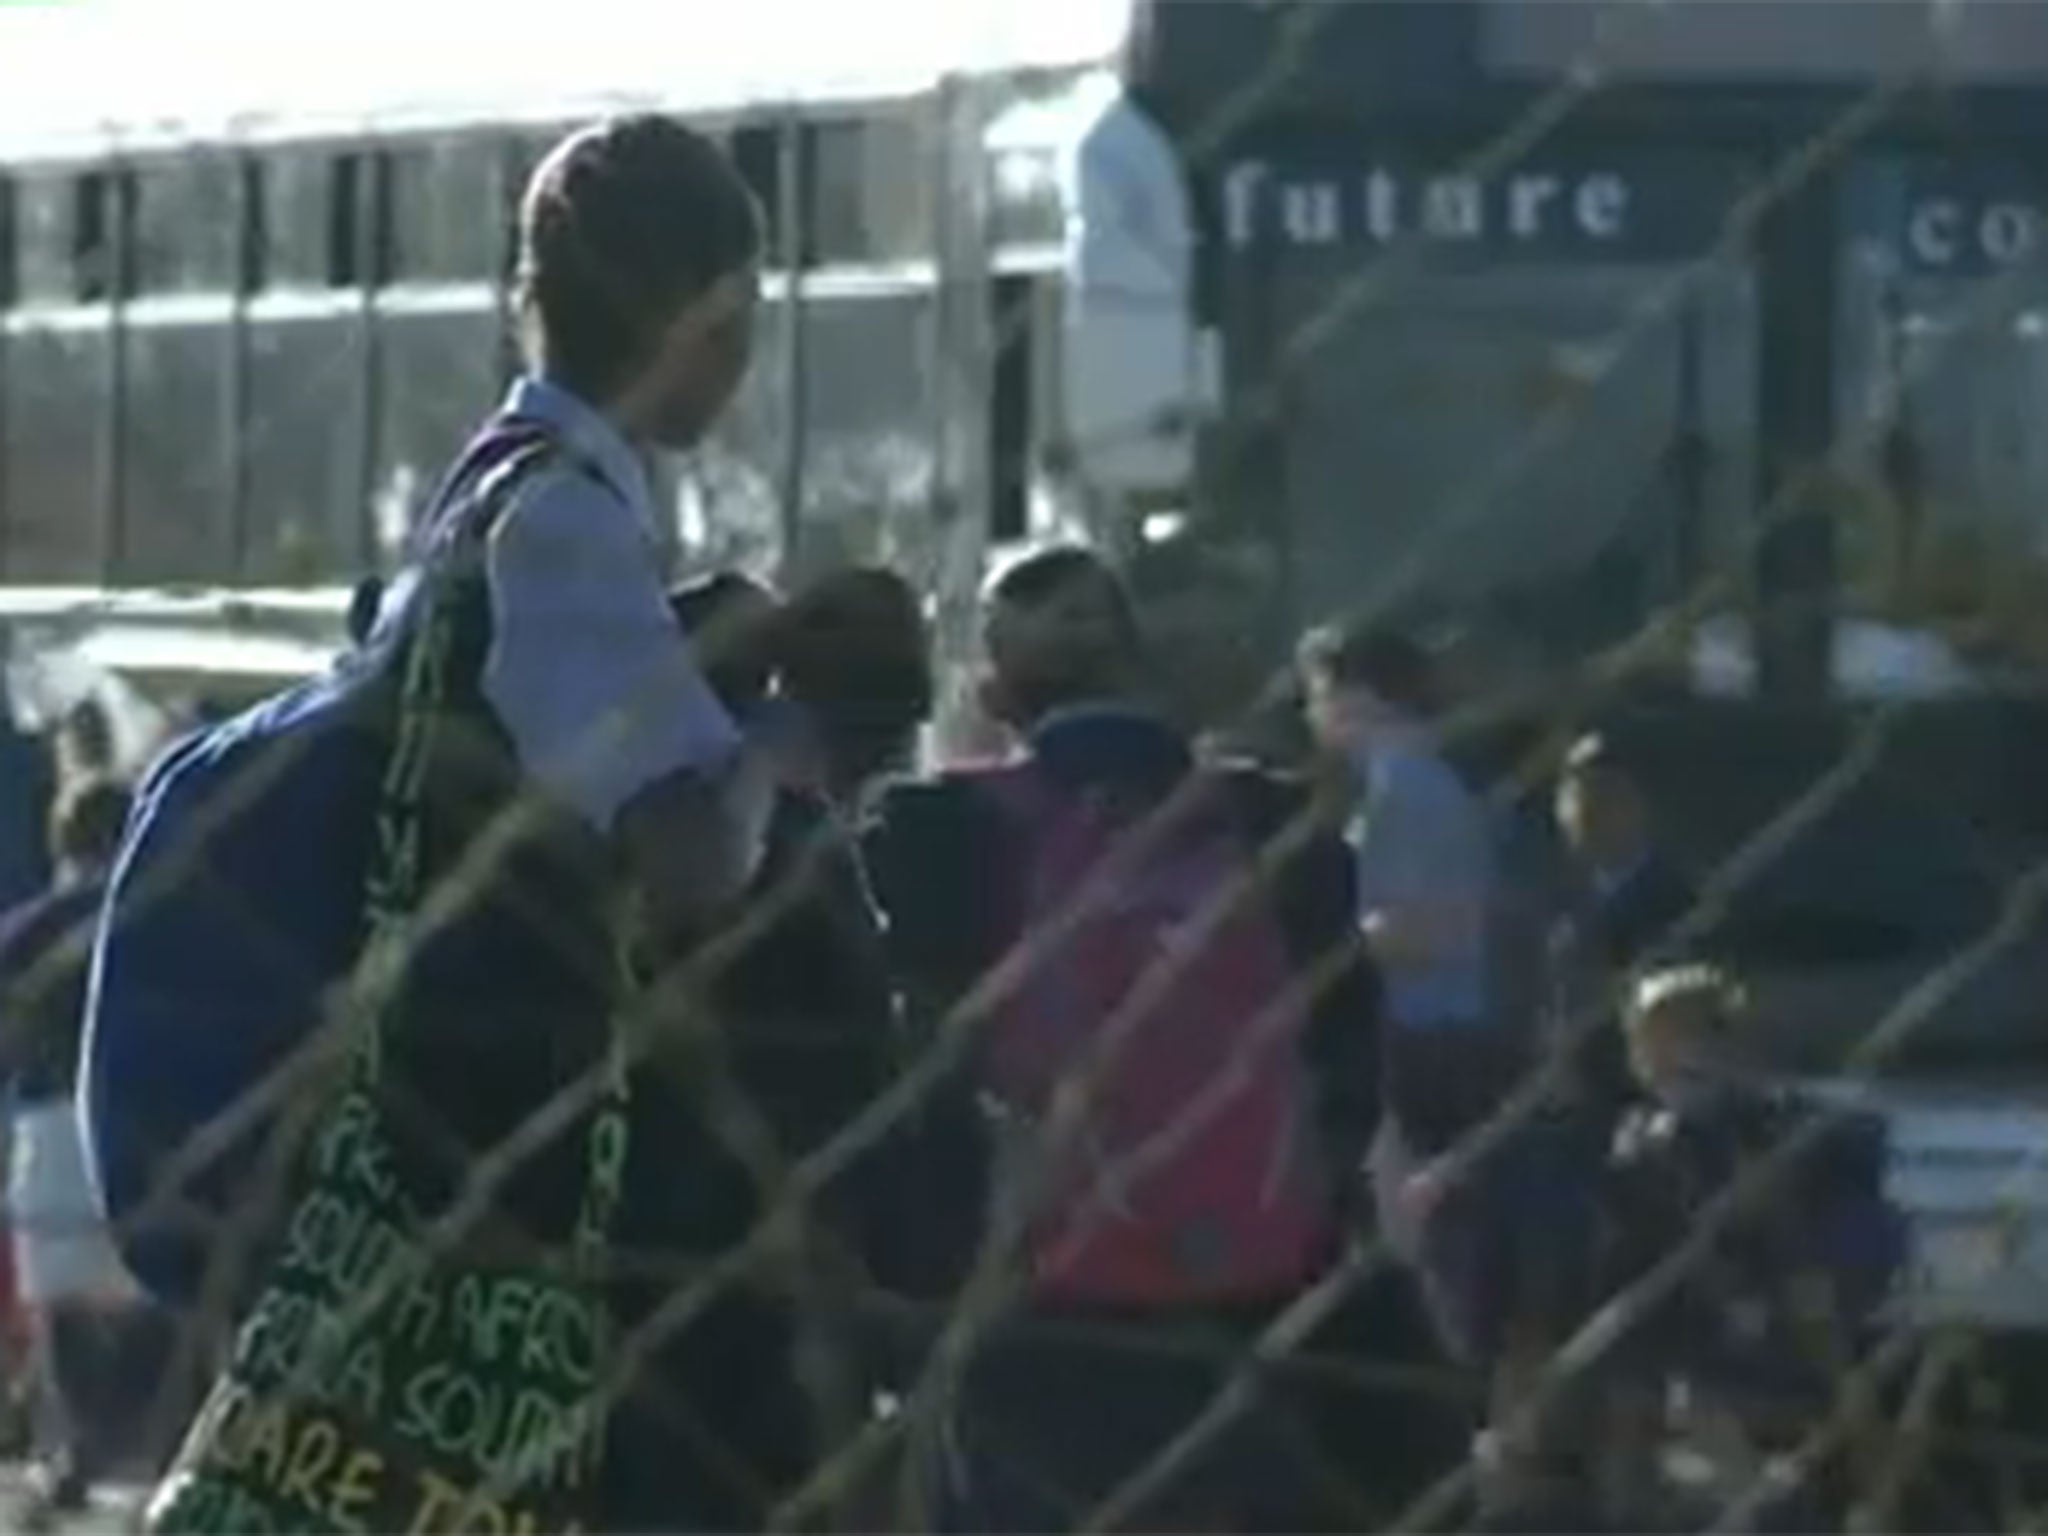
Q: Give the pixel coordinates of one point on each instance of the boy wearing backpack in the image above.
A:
(1179, 1084)
(522, 773)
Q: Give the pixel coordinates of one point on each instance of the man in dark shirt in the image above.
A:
(98, 1347)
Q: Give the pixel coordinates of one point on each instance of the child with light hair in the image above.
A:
(1679, 1022)
(1801, 1243)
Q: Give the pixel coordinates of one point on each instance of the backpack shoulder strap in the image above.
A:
(475, 492)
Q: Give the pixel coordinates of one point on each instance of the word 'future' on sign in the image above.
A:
(1382, 205)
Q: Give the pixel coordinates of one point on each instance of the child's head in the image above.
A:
(637, 250)
(856, 654)
(1600, 805)
(1679, 1020)
(1358, 679)
(1060, 630)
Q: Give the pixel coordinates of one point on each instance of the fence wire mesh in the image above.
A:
(1890, 1414)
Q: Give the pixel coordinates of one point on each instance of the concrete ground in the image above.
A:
(115, 1509)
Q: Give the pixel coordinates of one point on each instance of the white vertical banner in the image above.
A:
(964, 372)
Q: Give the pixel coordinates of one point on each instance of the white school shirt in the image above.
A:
(588, 671)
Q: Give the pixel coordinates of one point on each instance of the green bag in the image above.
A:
(374, 1386)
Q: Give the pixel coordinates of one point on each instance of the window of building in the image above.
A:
(62, 243)
(756, 151)
(95, 242)
(322, 218)
(446, 209)
(361, 237)
(865, 198)
(10, 255)
(289, 230)
(185, 224)
(870, 191)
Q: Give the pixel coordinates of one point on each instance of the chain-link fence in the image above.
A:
(1392, 439)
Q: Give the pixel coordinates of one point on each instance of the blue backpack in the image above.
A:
(235, 906)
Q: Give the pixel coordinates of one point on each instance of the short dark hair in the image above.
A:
(1093, 649)
(622, 226)
(855, 652)
(732, 620)
(1385, 661)
(87, 821)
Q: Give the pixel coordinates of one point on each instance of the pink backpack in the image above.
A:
(1192, 1176)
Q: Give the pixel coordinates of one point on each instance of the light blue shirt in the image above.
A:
(588, 671)
(1423, 842)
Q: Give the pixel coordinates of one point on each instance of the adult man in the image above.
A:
(1146, 1271)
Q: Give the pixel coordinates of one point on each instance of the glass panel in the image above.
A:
(10, 247)
(56, 383)
(869, 413)
(185, 225)
(1945, 381)
(42, 229)
(1027, 206)
(1510, 445)
(297, 186)
(867, 430)
(870, 194)
(728, 500)
(447, 211)
(177, 516)
(301, 446)
(440, 376)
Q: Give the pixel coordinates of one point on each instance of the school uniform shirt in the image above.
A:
(587, 670)
(1423, 841)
